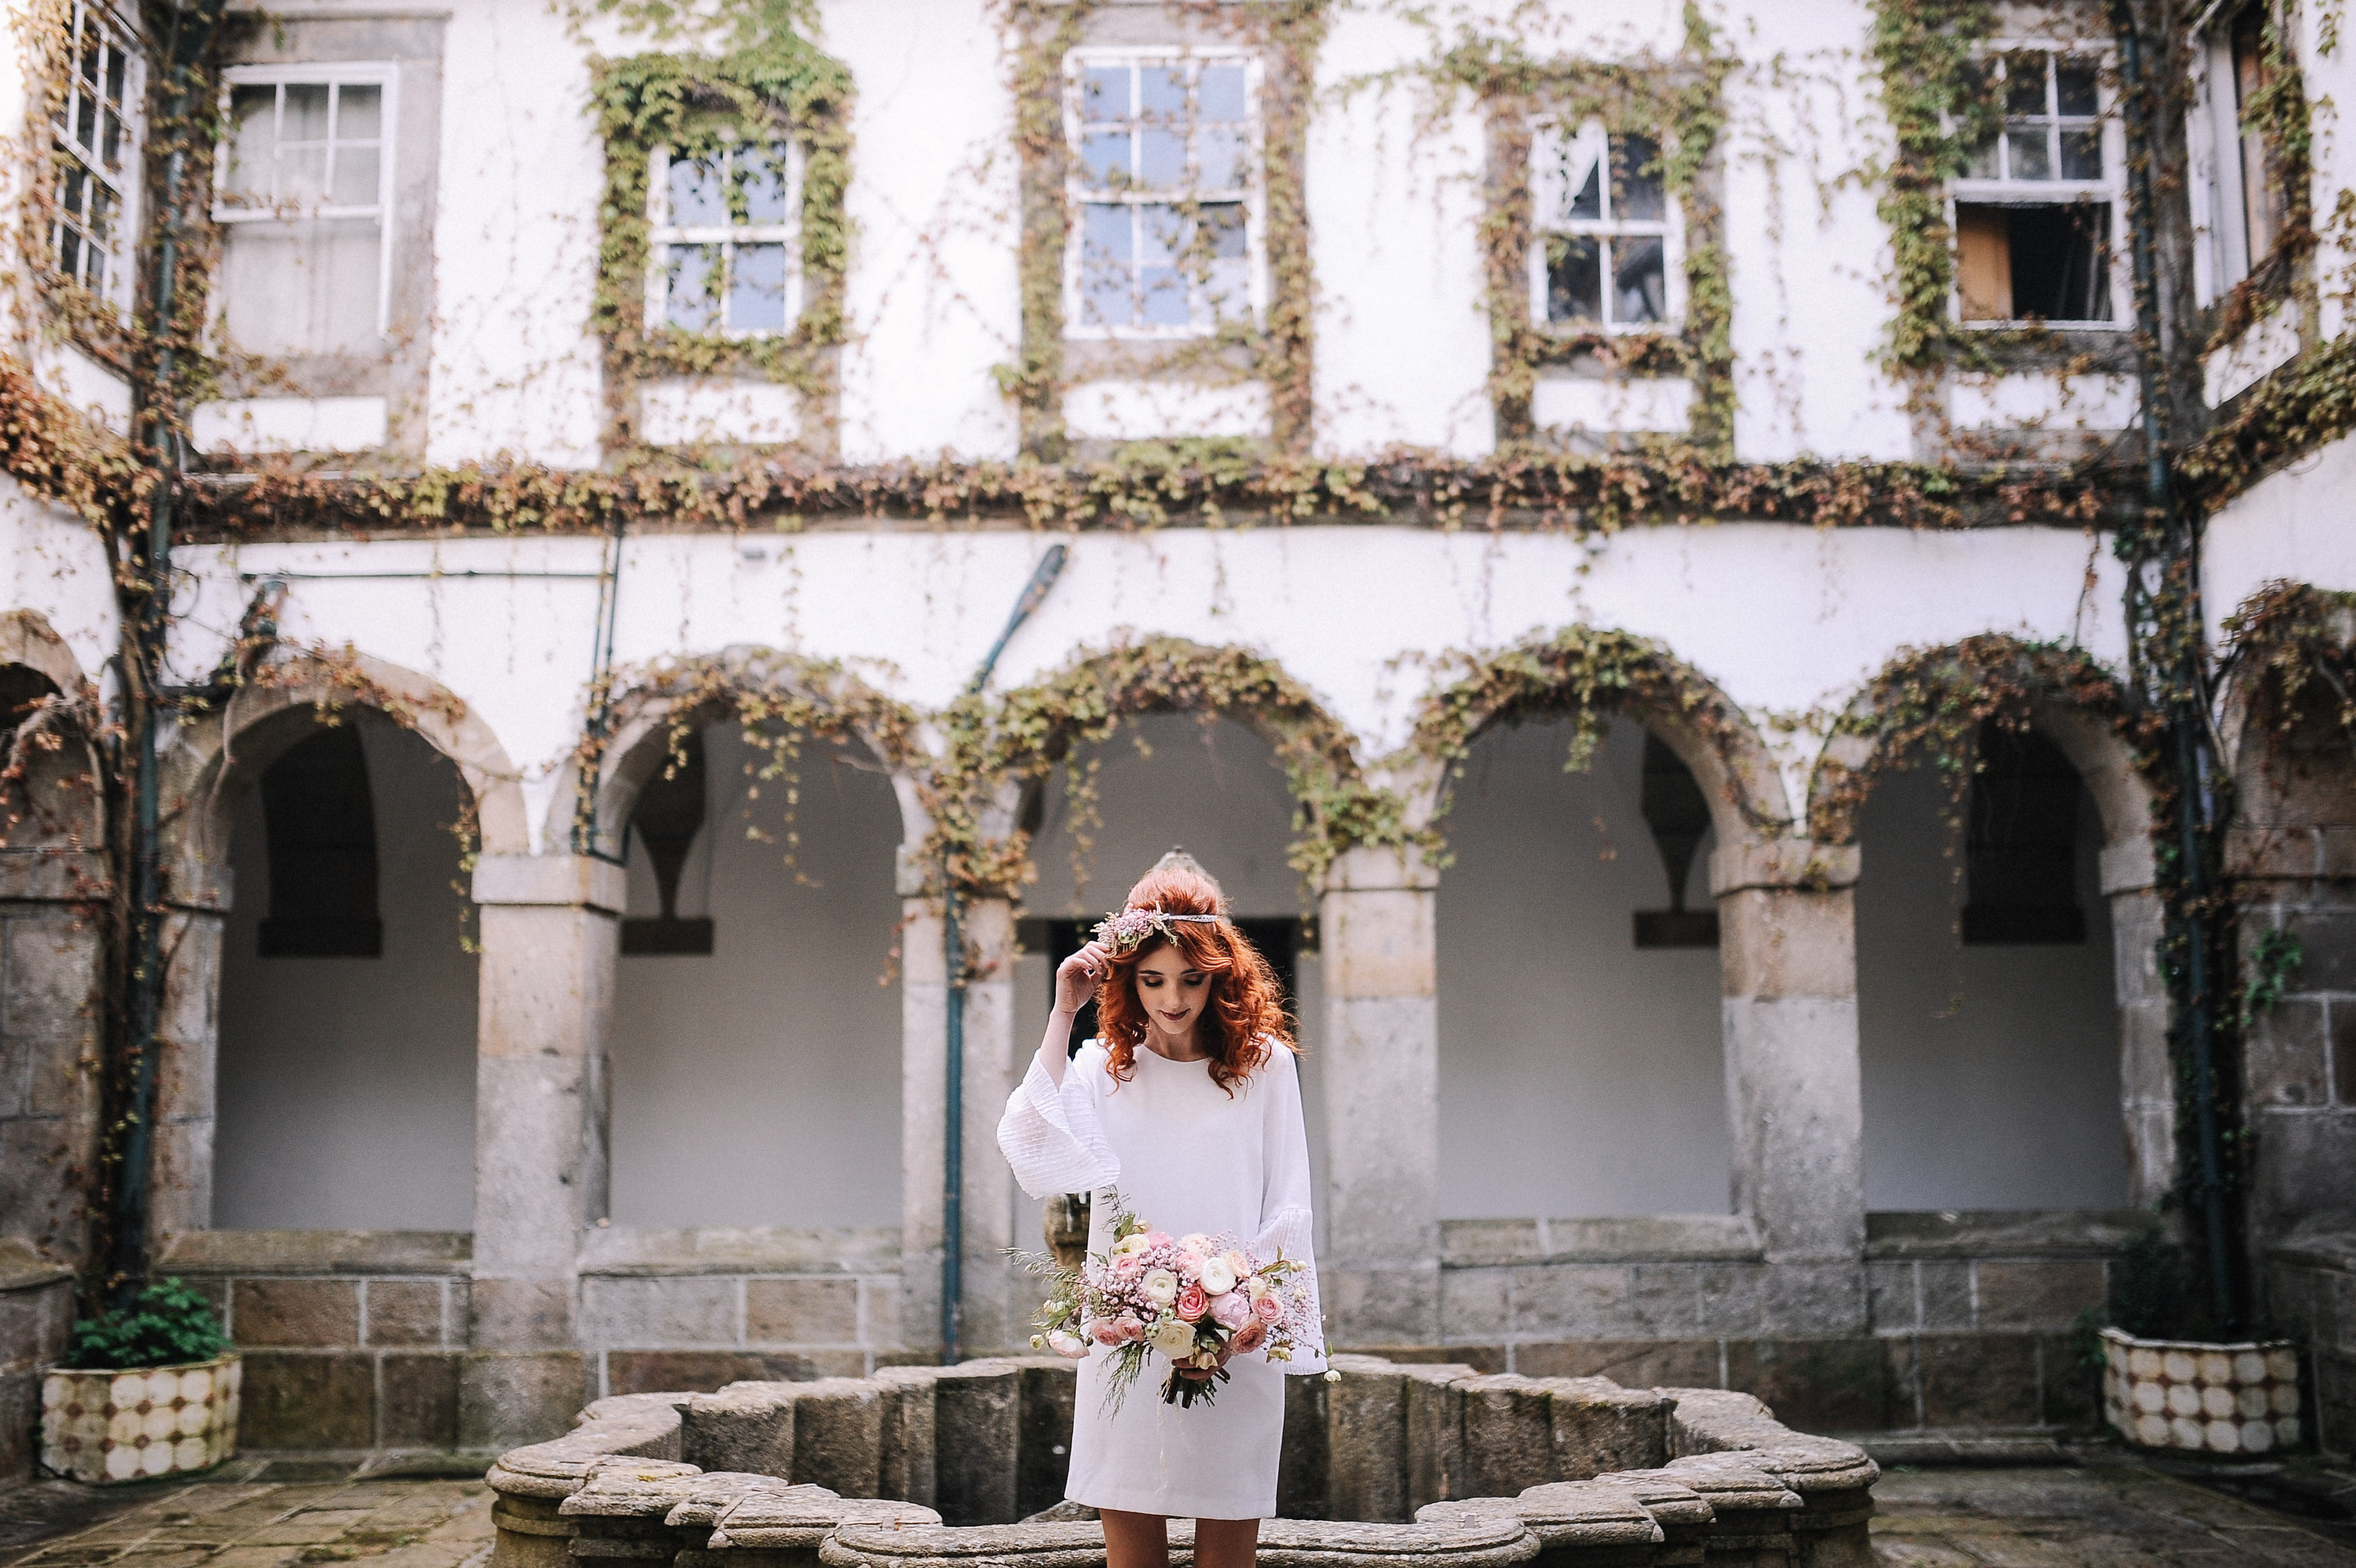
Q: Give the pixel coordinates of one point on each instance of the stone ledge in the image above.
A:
(1994, 1450)
(1796, 864)
(1658, 1238)
(561, 881)
(330, 1253)
(2318, 1244)
(23, 1269)
(622, 1251)
(2001, 1233)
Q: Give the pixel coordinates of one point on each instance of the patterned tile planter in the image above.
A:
(2210, 1399)
(101, 1426)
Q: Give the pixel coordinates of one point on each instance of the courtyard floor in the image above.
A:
(2104, 1512)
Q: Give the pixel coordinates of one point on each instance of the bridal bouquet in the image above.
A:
(1196, 1298)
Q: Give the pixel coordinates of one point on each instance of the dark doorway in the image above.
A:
(1281, 939)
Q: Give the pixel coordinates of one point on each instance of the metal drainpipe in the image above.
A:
(2185, 718)
(953, 950)
(191, 34)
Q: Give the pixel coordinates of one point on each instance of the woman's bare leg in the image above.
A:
(1138, 1540)
(1223, 1543)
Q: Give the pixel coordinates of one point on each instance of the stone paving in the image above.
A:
(2094, 1515)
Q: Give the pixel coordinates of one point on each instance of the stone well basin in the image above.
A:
(1387, 1466)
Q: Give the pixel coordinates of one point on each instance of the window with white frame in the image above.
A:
(2237, 191)
(725, 241)
(2039, 210)
(96, 156)
(302, 190)
(1165, 191)
(1604, 234)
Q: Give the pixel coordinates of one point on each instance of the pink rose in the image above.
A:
(1232, 1310)
(1105, 1331)
(1131, 1326)
(1158, 1238)
(1126, 1266)
(1267, 1308)
(1247, 1338)
(1189, 1265)
(1192, 1303)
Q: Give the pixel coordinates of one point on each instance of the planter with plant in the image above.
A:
(149, 1390)
(2171, 1379)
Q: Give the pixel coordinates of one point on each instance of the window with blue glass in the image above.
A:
(725, 240)
(1165, 191)
(1605, 232)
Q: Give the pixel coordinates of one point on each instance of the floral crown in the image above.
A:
(1126, 931)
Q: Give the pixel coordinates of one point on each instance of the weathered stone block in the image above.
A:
(1665, 1299)
(418, 1400)
(296, 1312)
(518, 1313)
(1776, 943)
(651, 1372)
(1816, 1385)
(1366, 1439)
(404, 1312)
(1599, 1427)
(1977, 1380)
(1303, 1462)
(978, 1412)
(1472, 1303)
(1435, 1432)
(683, 1310)
(1508, 1435)
(2071, 1393)
(51, 968)
(507, 1397)
(315, 1400)
(2285, 1057)
(746, 1426)
(1731, 1297)
(1632, 1363)
(839, 1437)
(1946, 1285)
(1812, 1299)
(909, 1440)
(1901, 1384)
(801, 1312)
(2040, 1293)
(1571, 1300)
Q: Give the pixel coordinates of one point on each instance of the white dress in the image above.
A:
(1185, 1157)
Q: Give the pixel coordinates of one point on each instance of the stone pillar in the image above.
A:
(998, 1303)
(180, 1177)
(1380, 1273)
(551, 937)
(50, 958)
(2147, 1078)
(1787, 923)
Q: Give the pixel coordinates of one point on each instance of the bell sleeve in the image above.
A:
(1286, 1219)
(1050, 1133)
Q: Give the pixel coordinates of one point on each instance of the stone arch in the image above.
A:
(267, 717)
(1939, 696)
(2288, 663)
(818, 696)
(1036, 726)
(1584, 670)
(26, 640)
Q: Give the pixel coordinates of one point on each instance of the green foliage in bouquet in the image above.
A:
(168, 1323)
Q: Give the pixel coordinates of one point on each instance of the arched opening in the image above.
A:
(1987, 1013)
(1161, 781)
(756, 1052)
(1581, 1072)
(348, 992)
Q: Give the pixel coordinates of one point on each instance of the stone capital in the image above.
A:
(2126, 867)
(1795, 865)
(576, 881)
(1378, 870)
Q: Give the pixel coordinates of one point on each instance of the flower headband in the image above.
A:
(1128, 930)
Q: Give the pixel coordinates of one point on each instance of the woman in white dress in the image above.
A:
(1189, 1105)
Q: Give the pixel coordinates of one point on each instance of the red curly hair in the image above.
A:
(1243, 1018)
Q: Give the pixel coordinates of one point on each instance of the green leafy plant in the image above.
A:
(168, 1323)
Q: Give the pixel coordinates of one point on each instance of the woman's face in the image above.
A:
(1171, 993)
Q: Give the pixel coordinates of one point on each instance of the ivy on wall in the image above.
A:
(776, 87)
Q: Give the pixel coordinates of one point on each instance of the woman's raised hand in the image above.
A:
(1078, 977)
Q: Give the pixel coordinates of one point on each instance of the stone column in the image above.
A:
(551, 937)
(2146, 1078)
(1787, 924)
(1380, 1273)
(998, 1303)
(187, 1071)
(50, 958)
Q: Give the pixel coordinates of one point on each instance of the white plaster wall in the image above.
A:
(2292, 524)
(761, 1085)
(1990, 1075)
(347, 1087)
(54, 564)
(1578, 1076)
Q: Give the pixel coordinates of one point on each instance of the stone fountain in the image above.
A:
(1385, 1466)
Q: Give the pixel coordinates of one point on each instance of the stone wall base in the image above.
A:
(37, 1307)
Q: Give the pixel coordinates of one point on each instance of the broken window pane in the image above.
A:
(1574, 280)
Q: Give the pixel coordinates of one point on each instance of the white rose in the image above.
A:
(1237, 1265)
(1066, 1344)
(1134, 1244)
(1217, 1279)
(1161, 1286)
(1258, 1287)
(1174, 1338)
